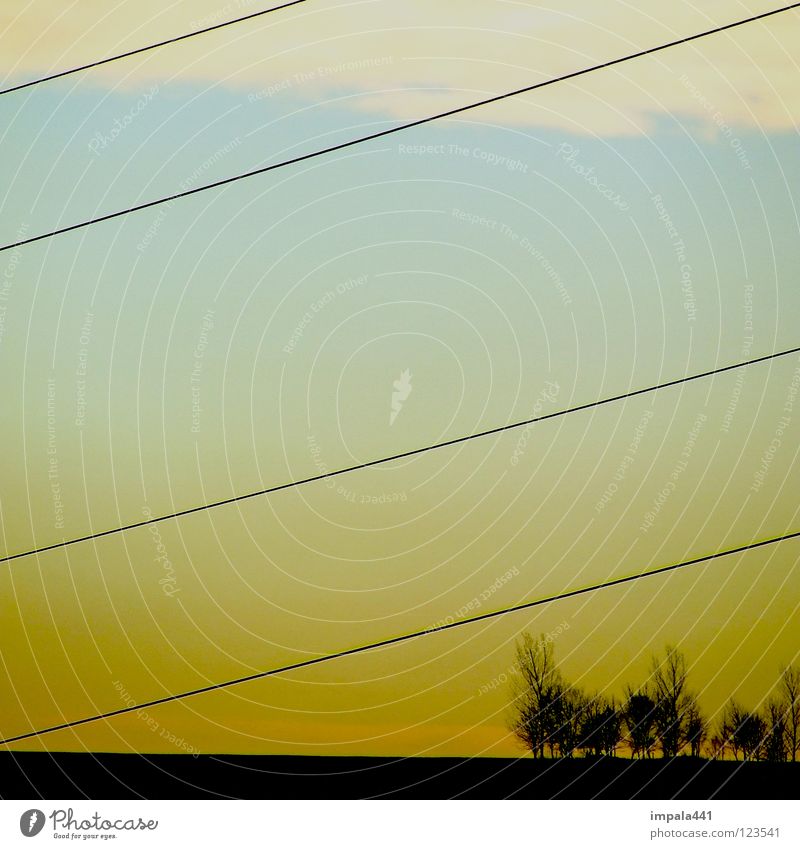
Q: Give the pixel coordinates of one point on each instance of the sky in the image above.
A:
(571, 244)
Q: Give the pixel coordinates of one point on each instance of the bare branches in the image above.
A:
(553, 718)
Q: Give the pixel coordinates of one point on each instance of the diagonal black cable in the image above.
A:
(382, 133)
(403, 455)
(165, 43)
(391, 641)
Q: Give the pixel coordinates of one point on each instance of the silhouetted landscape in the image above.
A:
(654, 743)
(553, 718)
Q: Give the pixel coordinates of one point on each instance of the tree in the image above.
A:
(601, 727)
(696, 730)
(732, 718)
(790, 686)
(775, 742)
(611, 728)
(673, 702)
(556, 719)
(537, 689)
(569, 711)
(743, 731)
(749, 735)
(718, 746)
(639, 717)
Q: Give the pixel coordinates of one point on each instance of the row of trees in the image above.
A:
(553, 718)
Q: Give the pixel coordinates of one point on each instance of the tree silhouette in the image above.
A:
(639, 715)
(790, 686)
(673, 702)
(601, 727)
(775, 743)
(745, 732)
(568, 716)
(718, 746)
(732, 718)
(548, 713)
(754, 736)
(554, 718)
(696, 731)
(611, 728)
(750, 735)
(537, 691)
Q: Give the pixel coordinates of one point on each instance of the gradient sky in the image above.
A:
(250, 336)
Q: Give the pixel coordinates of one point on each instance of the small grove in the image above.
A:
(553, 718)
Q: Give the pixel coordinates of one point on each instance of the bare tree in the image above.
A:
(537, 690)
(718, 746)
(569, 716)
(790, 686)
(775, 742)
(672, 699)
(639, 717)
(732, 718)
(554, 718)
(611, 728)
(696, 730)
(601, 727)
(750, 735)
(743, 731)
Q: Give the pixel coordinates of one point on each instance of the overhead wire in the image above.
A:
(392, 130)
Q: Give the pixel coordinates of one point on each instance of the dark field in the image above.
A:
(108, 776)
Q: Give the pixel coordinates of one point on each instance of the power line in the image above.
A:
(402, 638)
(401, 456)
(138, 50)
(383, 133)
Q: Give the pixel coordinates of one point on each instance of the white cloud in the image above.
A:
(412, 58)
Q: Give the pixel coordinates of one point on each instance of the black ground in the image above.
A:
(106, 776)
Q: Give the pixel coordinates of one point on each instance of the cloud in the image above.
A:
(414, 58)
